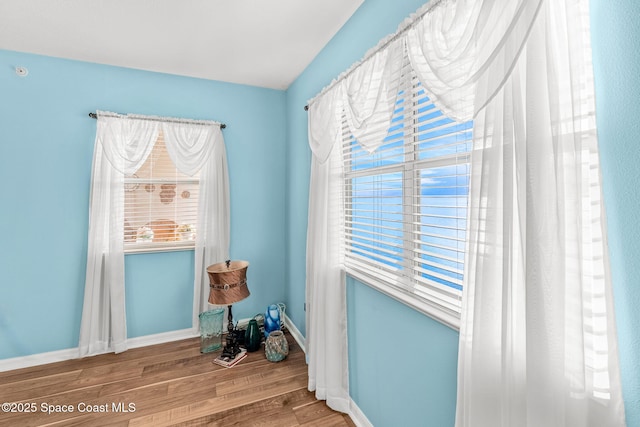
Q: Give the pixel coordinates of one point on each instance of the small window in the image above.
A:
(161, 205)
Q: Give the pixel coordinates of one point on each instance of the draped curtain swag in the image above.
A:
(122, 145)
(538, 337)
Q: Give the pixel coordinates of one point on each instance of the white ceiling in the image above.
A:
(265, 43)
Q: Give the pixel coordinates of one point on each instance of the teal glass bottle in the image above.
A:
(252, 336)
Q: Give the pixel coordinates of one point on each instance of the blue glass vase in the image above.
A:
(271, 320)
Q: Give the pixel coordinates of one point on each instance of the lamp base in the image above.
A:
(232, 346)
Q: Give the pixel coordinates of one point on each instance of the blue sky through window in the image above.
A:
(423, 207)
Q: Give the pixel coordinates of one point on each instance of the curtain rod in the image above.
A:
(403, 28)
(222, 125)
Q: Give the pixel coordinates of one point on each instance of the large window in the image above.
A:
(406, 205)
(161, 205)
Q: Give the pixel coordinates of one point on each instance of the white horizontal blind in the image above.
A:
(406, 203)
(161, 205)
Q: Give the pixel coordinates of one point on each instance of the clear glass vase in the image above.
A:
(211, 330)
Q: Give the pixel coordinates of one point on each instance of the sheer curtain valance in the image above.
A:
(122, 145)
(537, 338)
(462, 52)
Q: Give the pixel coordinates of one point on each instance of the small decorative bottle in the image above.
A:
(252, 336)
(276, 347)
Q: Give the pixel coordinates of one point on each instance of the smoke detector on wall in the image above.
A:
(22, 71)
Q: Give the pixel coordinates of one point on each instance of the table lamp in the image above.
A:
(228, 285)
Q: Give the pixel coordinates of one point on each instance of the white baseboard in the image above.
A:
(357, 416)
(162, 338)
(38, 359)
(295, 333)
(240, 324)
(72, 353)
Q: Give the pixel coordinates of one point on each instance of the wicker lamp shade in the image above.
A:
(228, 282)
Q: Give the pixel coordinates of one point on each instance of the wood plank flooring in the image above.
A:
(170, 384)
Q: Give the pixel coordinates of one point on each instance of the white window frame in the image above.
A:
(162, 246)
(403, 287)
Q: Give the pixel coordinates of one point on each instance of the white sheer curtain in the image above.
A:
(326, 315)
(367, 99)
(122, 145)
(369, 96)
(326, 342)
(537, 337)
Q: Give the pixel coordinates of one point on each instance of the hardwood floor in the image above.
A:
(162, 385)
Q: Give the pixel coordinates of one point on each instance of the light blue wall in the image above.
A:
(402, 365)
(46, 148)
(152, 309)
(616, 59)
(616, 43)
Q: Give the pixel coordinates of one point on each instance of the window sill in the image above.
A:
(142, 248)
(432, 310)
